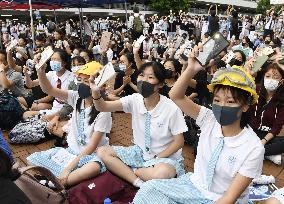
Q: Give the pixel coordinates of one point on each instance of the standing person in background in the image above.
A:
(270, 25)
(213, 20)
(137, 24)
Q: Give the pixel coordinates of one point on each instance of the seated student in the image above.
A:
(267, 116)
(61, 118)
(9, 192)
(173, 70)
(126, 79)
(88, 131)
(10, 79)
(60, 77)
(229, 153)
(157, 125)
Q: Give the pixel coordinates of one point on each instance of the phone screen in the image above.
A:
(212, 48)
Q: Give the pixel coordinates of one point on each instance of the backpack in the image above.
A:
(31, 130)
(11, 111)
(105, 185)
(137, 25)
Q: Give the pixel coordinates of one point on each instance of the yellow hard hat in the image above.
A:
(236, 77)
(90, 68)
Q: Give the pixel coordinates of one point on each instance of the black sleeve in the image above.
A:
(118, 80)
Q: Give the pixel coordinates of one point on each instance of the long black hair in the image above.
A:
(93, 114)
(64, 57)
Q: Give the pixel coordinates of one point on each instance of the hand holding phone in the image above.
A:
(214, 46)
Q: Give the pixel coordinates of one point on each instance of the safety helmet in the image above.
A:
(235, 77)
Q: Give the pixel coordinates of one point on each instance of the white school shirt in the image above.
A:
(241, 154)
(167, 120)
(102, 123)
(66, 79)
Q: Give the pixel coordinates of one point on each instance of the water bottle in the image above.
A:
(107, 201)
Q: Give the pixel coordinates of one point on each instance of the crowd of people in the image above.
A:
(236, 101)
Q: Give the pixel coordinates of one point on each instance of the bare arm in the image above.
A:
(4, 81)
(47, 88)
(177, 93)
(11, 62)
(89, 149)
(173, 147)
(237, 187)
(100, 104)
(29, 82)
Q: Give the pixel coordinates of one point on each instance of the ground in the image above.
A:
(121, 134)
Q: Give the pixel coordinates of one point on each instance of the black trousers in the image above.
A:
(274, 146)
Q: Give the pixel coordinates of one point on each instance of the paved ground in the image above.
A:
(122, 135)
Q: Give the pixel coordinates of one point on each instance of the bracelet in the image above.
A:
(265, 139)
(95, 99)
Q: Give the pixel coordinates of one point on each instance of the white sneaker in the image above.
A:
(276, 159)
(264, 179)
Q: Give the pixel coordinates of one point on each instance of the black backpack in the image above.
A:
(11, 111)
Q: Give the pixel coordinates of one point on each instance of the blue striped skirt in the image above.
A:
(44, 159)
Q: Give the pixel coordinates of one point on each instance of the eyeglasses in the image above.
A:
(225, 73)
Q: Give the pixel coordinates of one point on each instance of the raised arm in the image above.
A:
(177, 93)
(137, 58)
(100, 103)
(29, 82)
(11, 62)
(47, 88)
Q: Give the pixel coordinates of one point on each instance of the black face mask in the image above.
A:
(225, 115)
(145, 88)
(236, 62)
(84, 91)
(169, 73)
(243, 44)
(267, 42)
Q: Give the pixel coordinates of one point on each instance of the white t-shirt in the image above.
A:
(167, 121)
(102, 123)
(241, 154)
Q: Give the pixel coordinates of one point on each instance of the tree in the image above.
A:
(166, 5)
(263, 6)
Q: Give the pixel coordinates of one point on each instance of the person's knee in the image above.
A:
(164, 171)
(272, 201)
(104, 152)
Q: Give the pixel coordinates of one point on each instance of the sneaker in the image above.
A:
(276, 159)
(264, 179)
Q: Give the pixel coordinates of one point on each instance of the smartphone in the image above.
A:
(214, 46)
(259, 62)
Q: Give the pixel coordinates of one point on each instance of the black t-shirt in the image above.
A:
(10, 193)
(128, 90)
(213, 24)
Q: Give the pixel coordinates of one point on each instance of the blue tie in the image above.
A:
(213, 161)
(81, 138)
(147, 132)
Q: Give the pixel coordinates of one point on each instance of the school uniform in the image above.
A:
(153, 132)
(241, 154)
(61, 82)
(79, 135)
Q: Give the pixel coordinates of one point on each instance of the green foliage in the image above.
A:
(263, 6)
(165, 6)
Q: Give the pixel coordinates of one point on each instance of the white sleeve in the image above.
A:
(110, 56)
(103, 122)
(252, 166)
(72, 98)
(177, 123)
(127, 103)
(205, 116)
